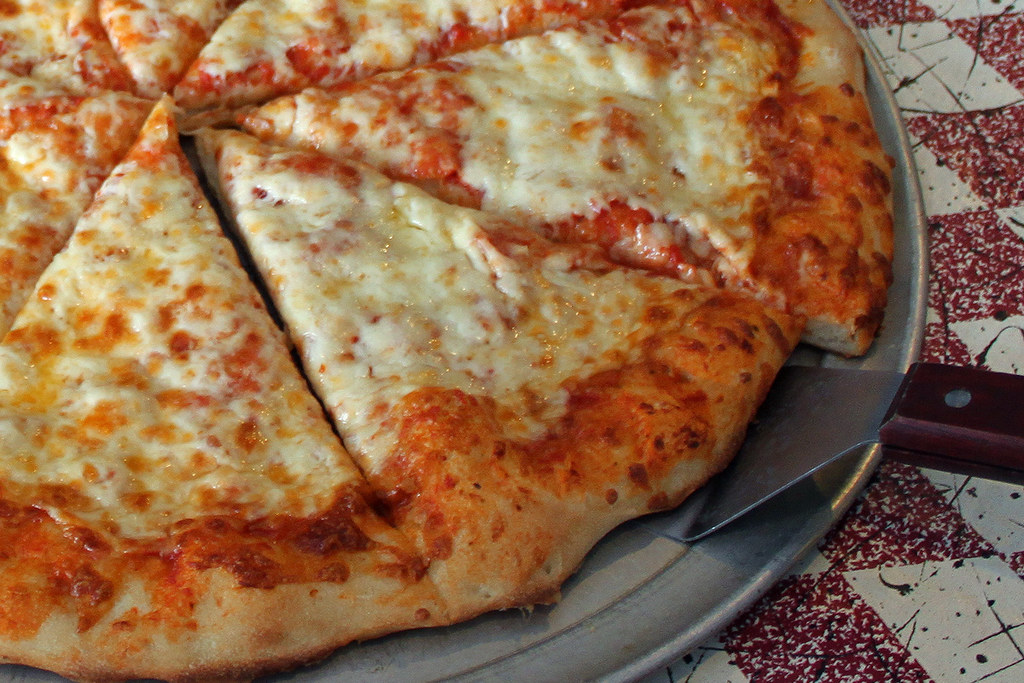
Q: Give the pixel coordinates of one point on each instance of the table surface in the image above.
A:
(922, 579)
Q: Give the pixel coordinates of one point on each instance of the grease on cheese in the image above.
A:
(55, 151)
(145, 373)
(301, 42)
(567, 119)
(58, 43)
(649, 112)
(388, 290)
(158, 39)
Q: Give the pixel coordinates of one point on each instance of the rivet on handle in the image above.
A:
(958, 398)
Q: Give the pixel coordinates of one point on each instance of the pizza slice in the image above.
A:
(55, 150)
(509, 399)
(717, 141)
(831, 212)
(173, 502)
(61, 43)
(158, 39)
(270, 47)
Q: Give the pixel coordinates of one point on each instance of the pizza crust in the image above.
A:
(830, 55)
(830, 115)
(234, 634)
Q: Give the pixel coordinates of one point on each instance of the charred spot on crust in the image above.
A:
(250, 567)
(659, 501)
(334, 572)
(637, 473)
(441, 547)
(331, 534)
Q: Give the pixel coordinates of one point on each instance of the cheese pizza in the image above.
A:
(509, 400)
(60, 43)
(452, 289)
(170, 493)
(55, 150)
(680, 138)
(158, 39)
(271, 47)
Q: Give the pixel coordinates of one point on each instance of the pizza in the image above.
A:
(60, 43)
(157, 40)
(270, 47)
(434, 332)
(159, 441)
(763, 205)
(55, 150)
(328, 320)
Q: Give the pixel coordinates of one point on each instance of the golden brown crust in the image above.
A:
(828, 247)
(226, 629)
(504, 522)
(234, 633)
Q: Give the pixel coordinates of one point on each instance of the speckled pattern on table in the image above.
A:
(924, 577)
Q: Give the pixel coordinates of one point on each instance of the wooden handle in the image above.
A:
(975, 417)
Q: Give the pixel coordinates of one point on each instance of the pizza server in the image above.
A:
(940, 416)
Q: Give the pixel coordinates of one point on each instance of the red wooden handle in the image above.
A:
(960, 414)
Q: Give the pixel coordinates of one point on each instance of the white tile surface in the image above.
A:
(1001, 341)
(936, 71)
(962, 620)
(994, 509)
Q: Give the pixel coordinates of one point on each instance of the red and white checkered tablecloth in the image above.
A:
(922, 580)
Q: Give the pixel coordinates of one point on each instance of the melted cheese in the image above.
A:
(60, 43)
(554, 126)
(55, 151)
(345, 40)
(158, 39)
(145, 373)
(685, 157)
(387, 290)
(33, 30)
